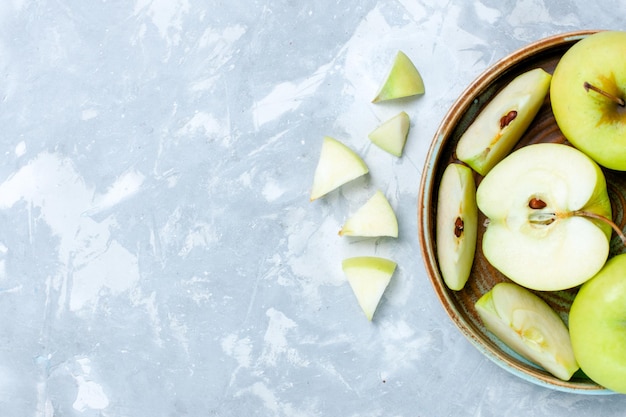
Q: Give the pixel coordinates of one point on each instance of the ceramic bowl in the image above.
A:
(459, 305)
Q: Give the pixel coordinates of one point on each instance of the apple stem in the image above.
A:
(617, 230)
(617, 100)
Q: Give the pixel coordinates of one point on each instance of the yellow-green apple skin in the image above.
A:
(369, 277)
(403, 80)
(391, 135)
(534, 200)
(456, 225)
(529, 326)
(503, 121)
(337, 165)
(597, 322)
(592, 122)
(375, 218)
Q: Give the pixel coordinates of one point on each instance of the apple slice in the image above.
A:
(373, 219)
(337, 165)
(403, 80)
(526, 324)
(588, 97)
(368, 276)
(391, 135)
(503, 121)
(549, 217)
(597, 321)
(456, 225)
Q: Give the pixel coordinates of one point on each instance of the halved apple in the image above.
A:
(503, 121)
(403, 80)
(368, 276)
(529, 326)
(456, 225)
(337, 165)
(549, 217)
(391, 135)
(374, 218)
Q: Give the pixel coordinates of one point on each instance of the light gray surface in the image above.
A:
(158, 252)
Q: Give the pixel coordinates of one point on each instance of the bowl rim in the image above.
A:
(425, 220)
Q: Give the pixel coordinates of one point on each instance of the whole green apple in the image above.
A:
(587, 94)
(597, 325)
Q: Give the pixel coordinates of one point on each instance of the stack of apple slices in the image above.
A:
(549, 218)
(338, 164)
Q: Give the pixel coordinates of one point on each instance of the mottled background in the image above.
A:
(158, 252)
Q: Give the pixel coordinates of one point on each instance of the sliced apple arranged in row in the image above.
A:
(456, 225)
(529, 326)
(391, 135)
(337, 165)
(368, 276)
(503, 121)
(373, 219)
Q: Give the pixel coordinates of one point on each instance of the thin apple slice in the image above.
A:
(549, 213)
(503, 121)
(456, 225)
(337, 165)
(529, 326)
(368, 276)
(373, 219)
(391, 135)
(403, 80)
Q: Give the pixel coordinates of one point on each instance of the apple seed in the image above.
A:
(507, 119)
(536, 204)
(458, 227)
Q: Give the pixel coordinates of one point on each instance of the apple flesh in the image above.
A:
(456, 225)
(503, 121)
(337, 165)
(529, 326)
(368, 276)
(373, 219)
(403, 80)
(587, 94)
(391, 135)
(597, 321)
(541, 201)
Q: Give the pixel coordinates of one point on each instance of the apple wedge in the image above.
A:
(403, 80)
(373, 219)
(549, 217)
(368, 276)
(456, 225)
(597, 321)
(337, 165)
(391, 135)
(503, 121)
(526, 324)
(588, 96)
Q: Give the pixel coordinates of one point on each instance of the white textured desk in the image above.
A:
(158, 252)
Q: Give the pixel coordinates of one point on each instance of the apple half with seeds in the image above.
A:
(375, 218)
(403, 80)
(549, 217)
(529, 326)
(337, 165)
(503, 121)
(456, 225)
(368, 276)
(391, 135)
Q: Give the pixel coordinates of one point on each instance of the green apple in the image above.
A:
(403, 80)
(587, 94)
(337, 165)
(549, 217)
(373, 219)
(503, 121)
(529, 326)
(391, 135)
(368, 276)
(597, 322)
(456, 225)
